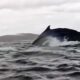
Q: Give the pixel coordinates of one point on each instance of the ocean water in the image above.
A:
(23, 61)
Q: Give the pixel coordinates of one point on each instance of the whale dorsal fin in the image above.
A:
(48, 28)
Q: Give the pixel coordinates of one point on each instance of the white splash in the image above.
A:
(50, 41)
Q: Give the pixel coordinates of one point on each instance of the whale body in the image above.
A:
(60, 34)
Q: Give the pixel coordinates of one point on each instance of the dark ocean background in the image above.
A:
(19, 60)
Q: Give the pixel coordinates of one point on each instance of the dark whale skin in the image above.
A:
(59, 33)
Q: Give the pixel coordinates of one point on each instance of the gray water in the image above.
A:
(20, 61)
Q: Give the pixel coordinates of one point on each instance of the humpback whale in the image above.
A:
(60, 34)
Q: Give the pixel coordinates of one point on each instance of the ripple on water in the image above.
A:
(65, 67)
(20, 77)
(60, 63)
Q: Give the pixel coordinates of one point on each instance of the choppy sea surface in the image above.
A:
(22, 61)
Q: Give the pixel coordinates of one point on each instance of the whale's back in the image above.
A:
(59, 34)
